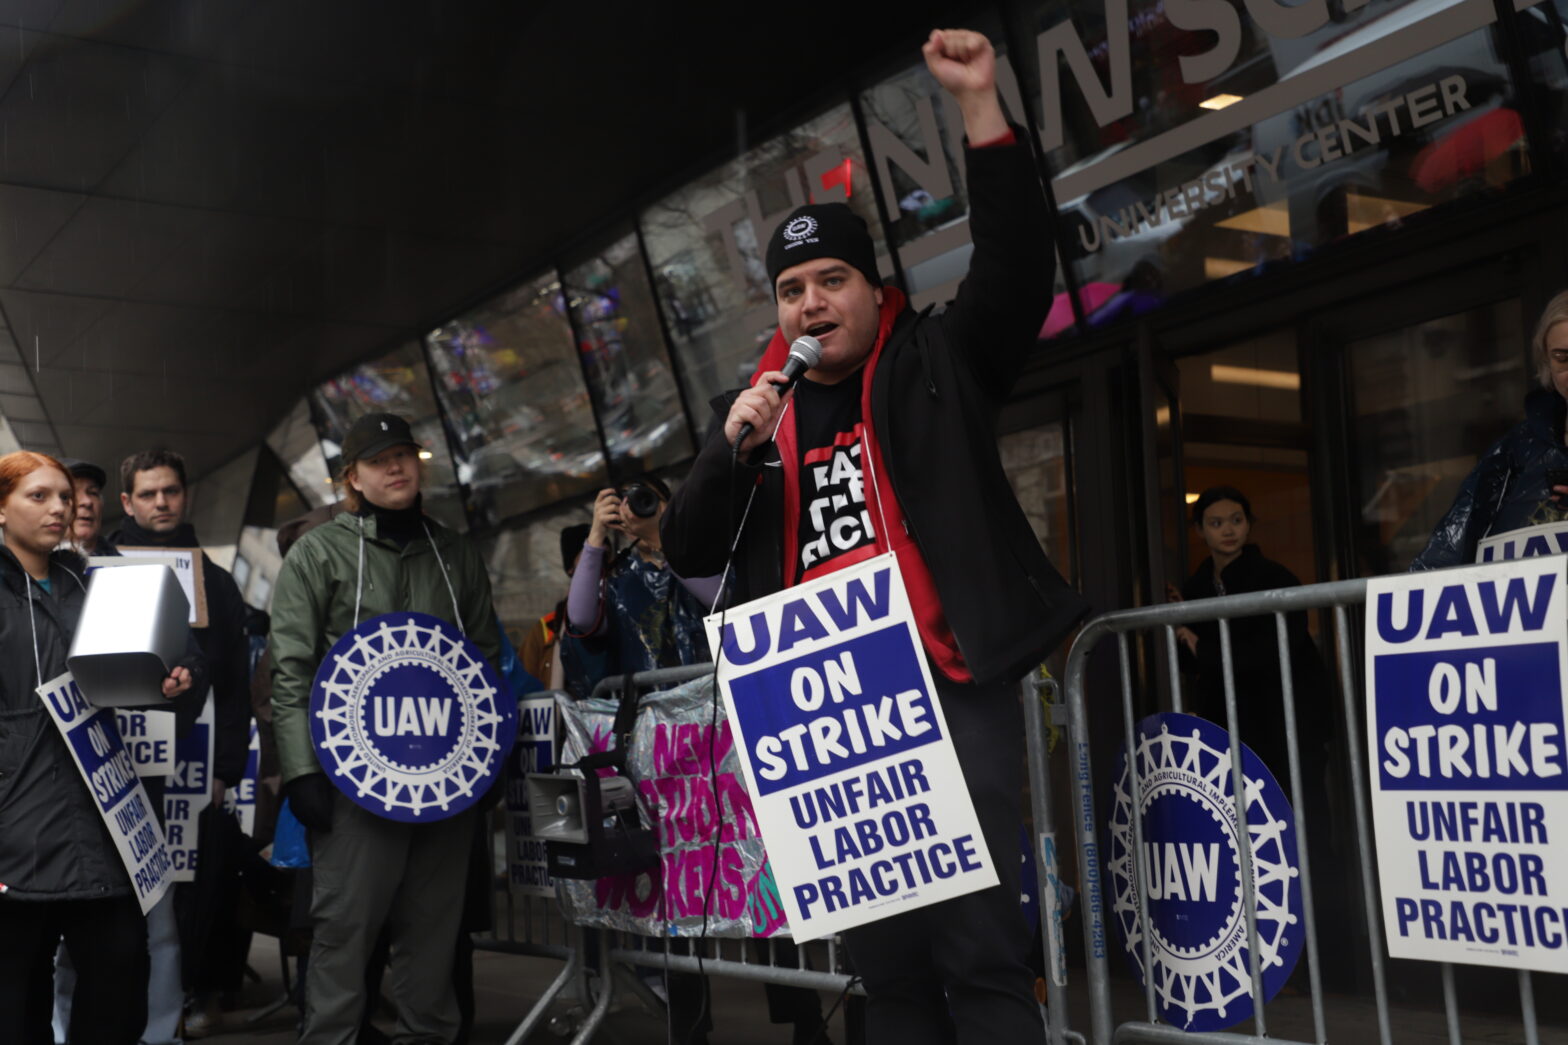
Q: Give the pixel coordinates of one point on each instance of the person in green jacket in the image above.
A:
(383, 555)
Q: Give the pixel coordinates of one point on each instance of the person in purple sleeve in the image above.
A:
(631, 612)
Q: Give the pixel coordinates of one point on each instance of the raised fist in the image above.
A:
(962, 61)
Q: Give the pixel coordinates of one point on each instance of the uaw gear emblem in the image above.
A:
(1198, 949)
(800, 228)
(408, 718)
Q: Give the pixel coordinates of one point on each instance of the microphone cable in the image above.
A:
(722, 605)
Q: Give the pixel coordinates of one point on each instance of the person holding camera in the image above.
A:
(632, 609)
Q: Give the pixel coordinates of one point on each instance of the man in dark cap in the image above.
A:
(372, 874)
(914, 399)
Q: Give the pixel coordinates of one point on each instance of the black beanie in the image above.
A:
(822, 230)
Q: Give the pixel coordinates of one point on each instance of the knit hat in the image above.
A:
(822, 230)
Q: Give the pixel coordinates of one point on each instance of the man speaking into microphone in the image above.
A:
(895, 422)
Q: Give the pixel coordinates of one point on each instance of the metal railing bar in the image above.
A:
(1085, 826)
(1532, 1034)
(536, 1015)
(1174, 663)
(1238, 783)
(656, 677)
(1287, 680)
(1135, 858)
(1451, 1005)
(785, 976)
(1330, 595)
(1363, 832)
(1044, 826)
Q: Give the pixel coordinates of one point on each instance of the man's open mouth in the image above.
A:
(821, 329)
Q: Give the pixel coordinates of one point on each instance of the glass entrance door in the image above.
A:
(1425, 400)
(1422, 381)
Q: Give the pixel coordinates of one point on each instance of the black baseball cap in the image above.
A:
(86, 470)
(374, 433)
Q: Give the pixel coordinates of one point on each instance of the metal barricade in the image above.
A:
(821, 965)
(1339, 597)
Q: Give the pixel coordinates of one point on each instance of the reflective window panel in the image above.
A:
(1426, 401)
(707, 245)
(623, 354)
(397, 383)
(1214, 152)
(508, 375)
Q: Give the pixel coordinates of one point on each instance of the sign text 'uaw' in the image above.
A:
(1465, 713)
(1191, 867)
(409, 719)
(853, 775)
(93, 739)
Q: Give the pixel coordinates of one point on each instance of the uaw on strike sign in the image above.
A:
(1465, 712)
(110, 773)
(854, 780)
(408, 718)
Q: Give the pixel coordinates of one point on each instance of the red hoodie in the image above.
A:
(935, 634)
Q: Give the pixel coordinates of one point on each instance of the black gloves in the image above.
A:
(310, 797)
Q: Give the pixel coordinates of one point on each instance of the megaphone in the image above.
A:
(589, 825)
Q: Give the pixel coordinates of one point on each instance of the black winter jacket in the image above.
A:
(53, 843)
(223, 644)
(935, 396)
(1255, 663)
(1507, 488)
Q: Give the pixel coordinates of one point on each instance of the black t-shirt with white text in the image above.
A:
(834, 518)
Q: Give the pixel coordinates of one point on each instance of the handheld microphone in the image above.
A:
(805, 352)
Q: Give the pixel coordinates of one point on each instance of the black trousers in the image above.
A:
(956, 971)
(107, 942)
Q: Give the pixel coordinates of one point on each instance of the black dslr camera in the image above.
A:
(640, 500)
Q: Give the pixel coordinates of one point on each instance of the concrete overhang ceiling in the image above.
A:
(206, 206)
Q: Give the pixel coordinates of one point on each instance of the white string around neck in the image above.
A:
(359, 582)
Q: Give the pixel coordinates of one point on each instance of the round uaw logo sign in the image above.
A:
(409, 719)
(1191, 863)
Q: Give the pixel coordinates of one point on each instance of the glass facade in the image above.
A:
(707, 242)
(509, 380)
(396, 383)
(1242, 426)
(1187, 145)
(1426, 400)
(1213, 146)
(621, 346)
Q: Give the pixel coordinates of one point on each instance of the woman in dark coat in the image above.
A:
(1512, 485)
(1223, 516)
(60, 874)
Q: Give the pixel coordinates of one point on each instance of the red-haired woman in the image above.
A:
(60, 875)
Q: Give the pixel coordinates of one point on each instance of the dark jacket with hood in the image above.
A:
(53, 842)
(222, 642)
(1507, 489)
(936, 390)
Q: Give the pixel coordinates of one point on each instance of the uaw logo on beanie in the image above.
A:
(799, 230)
(822, 230)
(1197, 936)
(408, 718)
